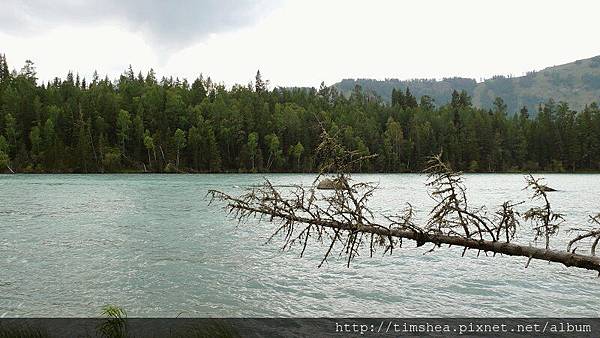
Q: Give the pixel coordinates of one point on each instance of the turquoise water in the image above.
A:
(70, 244)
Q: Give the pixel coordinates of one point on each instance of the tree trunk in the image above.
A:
(163, 155)
(510, 249)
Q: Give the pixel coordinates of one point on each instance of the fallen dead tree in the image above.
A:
(341, 218)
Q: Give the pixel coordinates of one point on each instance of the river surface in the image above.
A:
(70, 244)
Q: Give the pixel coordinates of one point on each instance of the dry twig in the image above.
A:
(342, 219)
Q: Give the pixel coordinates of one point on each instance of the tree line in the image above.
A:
(138, 123)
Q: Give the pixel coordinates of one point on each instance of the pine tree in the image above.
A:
(259, 85)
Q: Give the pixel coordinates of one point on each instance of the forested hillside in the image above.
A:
(577, 83)
(141, 123)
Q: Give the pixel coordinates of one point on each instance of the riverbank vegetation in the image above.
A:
(139, 123)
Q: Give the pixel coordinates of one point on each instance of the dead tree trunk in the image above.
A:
(342, 216)
(565, 257)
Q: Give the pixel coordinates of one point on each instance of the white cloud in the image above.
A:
(305, 42)
(108, 49)
(167, 24)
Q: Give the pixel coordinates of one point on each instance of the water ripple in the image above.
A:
(150, 243)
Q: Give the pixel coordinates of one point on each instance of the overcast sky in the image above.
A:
(298, 43)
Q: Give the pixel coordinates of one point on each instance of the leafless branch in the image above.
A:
(546, 222)
(342, 219)
(592, 234)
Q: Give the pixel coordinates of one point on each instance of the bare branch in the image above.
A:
(342, 219)
(546, 222)
(452, 213)
(593, 234)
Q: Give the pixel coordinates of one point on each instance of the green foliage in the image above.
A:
(393, 141)
(296, 152)
(112, 160)
(28, 71)
(115, 323)
(253, 148)
(148, 141)
(179, 140)
(274, 151)
(10, 126)
(35, 137)
(144, 123)
(3, 144)
(123, 125)
(4, 70)
(4, 160)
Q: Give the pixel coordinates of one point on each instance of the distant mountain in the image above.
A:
(577, 83)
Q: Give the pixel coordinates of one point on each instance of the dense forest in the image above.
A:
(139, 123)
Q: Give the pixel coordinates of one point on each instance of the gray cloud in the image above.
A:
(164, 23)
